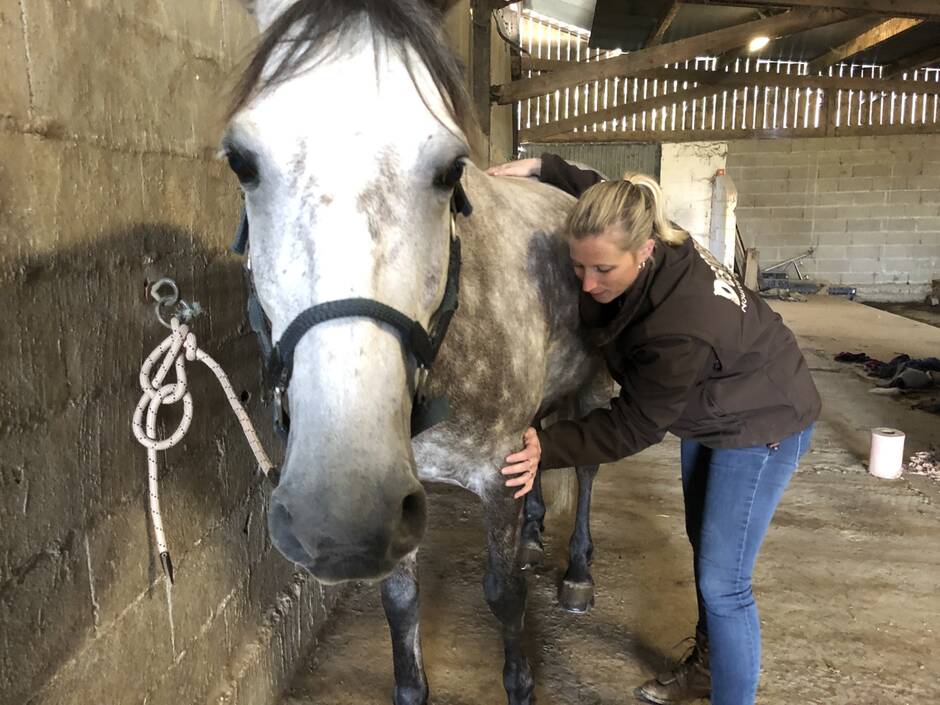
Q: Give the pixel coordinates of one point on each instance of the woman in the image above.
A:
(699, 356)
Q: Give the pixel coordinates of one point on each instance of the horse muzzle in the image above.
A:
(352, 534)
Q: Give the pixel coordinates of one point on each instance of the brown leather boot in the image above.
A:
(689, 680)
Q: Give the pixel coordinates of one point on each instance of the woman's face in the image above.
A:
(605, 270)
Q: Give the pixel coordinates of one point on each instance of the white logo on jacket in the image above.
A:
(726, 286)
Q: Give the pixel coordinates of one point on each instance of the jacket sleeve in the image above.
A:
(658, 378)
(557, 172)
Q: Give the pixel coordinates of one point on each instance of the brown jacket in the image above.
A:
(695, 354)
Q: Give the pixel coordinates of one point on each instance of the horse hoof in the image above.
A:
(530, 556)
(576, 597)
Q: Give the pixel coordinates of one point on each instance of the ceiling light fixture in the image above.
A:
(758, 43)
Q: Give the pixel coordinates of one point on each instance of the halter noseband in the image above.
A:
(422, 345)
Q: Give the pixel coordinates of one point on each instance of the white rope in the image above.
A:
(179, 347)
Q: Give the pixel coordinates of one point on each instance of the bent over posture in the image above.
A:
(698, 355)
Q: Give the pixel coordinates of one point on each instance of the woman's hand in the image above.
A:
(524, 464)
(519, 167)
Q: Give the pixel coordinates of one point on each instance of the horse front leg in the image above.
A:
(505, 590)
(576, 592)
(400, 600)
(531, 550)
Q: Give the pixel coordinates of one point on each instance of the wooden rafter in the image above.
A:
(926, 57)
(721, 80)
(659, 31)
(654, 57)
(535, 134)
(696, 135)
(880, 30)
(535, 63)
(771, 78)
(728, 58)
(893, 8)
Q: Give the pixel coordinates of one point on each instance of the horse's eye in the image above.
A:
(449, 178)
(244, 167)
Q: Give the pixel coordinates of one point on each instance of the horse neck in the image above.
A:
(514, 341)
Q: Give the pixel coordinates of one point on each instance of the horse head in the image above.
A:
(346, 136)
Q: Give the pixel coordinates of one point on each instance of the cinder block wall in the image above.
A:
(687, 178)
(109, 120)
(869, 205)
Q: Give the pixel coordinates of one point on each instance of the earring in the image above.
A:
(642, 265)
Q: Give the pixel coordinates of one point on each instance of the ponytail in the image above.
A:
(634, 204)
(654, 195)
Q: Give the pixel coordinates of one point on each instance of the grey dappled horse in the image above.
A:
(347, 136)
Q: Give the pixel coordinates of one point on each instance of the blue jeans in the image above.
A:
(730, 498)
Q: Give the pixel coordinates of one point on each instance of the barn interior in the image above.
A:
(797, 140)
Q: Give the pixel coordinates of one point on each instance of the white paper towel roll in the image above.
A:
(887, 453)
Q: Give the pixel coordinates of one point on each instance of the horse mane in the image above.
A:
(311, 31)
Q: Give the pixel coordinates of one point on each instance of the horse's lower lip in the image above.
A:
(332, 570)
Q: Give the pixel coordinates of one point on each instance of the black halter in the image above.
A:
(422, 345)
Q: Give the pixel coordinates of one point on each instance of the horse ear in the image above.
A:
(265, 11)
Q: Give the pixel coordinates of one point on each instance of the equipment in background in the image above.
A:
(776, 276)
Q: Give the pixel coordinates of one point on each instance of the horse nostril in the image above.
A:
(282, 534)
(280, 515)
(414, 514)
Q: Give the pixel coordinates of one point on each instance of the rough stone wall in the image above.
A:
(869, 205)
(110, 113)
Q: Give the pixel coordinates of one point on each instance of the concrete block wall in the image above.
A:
(110, 114)
(687, 177)
(869, 205)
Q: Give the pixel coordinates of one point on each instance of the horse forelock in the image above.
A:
(309, 32)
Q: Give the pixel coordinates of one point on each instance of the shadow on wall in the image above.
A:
(83, 616)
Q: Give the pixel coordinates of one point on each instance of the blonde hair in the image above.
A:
(634, 204)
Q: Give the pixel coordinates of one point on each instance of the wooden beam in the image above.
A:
(728, 58)
(654, 57)
(783, 80)
(893, 8)
(480, 62)
(714, 82)
(535, 63)
(879, 30)
(751, 267)
(722, 80)
(930, 55)
(697, 135)
(659, 31)
(536, 134)
(896, 129)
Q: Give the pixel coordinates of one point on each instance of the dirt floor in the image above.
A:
(847, 582)
(923, 312)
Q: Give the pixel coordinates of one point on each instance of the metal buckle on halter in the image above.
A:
(281, 419)
(421, 383)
